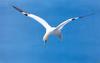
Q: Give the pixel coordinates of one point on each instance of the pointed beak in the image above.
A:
(45, 41)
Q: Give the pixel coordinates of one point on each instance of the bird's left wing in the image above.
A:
(37, 18)
(60, 26)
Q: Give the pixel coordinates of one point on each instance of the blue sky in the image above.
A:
(21, 37)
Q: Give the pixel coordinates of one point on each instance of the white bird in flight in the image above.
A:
(49, 29)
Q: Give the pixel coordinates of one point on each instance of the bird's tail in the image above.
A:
(59, 34)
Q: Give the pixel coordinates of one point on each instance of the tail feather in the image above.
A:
(59, 35)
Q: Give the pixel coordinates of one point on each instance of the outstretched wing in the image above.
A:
(38, 19)
(60, 26)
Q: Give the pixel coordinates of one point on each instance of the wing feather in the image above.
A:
(61, 25)
(37, 18)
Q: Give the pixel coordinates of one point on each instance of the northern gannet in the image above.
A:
(49, 29)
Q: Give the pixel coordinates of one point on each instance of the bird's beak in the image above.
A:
(45, 41)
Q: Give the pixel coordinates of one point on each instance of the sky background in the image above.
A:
(21, 37)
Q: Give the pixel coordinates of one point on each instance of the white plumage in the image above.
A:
(49, 29)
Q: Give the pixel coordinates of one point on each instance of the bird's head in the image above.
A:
(45, 38)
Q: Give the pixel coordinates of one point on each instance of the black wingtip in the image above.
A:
(17, 8)
(87, 15)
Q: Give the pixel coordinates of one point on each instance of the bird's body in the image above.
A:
(49, 29)
(52, 31)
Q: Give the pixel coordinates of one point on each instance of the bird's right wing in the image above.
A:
(38, 19)
(61, 25)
